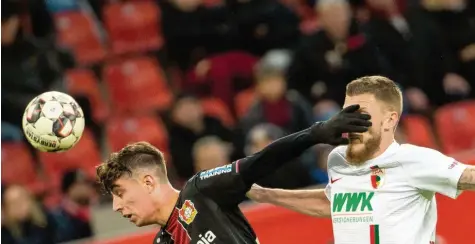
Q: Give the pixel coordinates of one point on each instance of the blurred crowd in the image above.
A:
(220, 79)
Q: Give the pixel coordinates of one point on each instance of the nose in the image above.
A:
(116, 206)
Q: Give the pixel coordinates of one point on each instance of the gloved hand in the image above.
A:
(349, 120)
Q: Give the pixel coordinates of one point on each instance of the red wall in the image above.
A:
(277, 225)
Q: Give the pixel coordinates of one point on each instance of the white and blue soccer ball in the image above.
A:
(53, 122)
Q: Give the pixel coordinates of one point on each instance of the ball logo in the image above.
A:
(207, 238)
(188, 212)
(45, 143)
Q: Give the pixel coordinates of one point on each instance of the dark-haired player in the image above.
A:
(206, 210)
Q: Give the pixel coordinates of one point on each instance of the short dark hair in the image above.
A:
(128, 159)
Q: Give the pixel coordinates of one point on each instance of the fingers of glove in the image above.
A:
(360, 122)
(354, 129)
(358, 116)
(351, 108)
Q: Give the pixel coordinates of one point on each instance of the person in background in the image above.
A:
(455, 19)
(27, 69)
(193, 30)
(292, 175)
(210, 152)
(325, 109)
(265, 25)
(413, 45)
(337, 53)
(24, 221)
(276, 105)
(73, 215)
(188, 124)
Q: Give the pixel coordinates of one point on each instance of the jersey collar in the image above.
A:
(389, 151)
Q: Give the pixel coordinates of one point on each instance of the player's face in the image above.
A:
(133, 201)
(363, 145)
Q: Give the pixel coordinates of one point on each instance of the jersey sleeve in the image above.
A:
(223, 185)
(333, 158)
(431, 170)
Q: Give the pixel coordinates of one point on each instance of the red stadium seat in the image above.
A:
(124, 130)
(455, 126)
(83, 82)
(243, 102)
(466, 157)
(85, 155)
(216, 108)
(221, 74)
(137, 85)
(77, 31)
(18, 167)
(418, 131)
(133, 26)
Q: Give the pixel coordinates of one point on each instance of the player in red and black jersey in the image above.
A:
(206, 210)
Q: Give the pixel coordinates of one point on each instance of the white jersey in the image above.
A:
(390, 199)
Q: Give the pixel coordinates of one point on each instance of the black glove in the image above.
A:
(349, 120)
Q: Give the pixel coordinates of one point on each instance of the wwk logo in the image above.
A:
(352, 202)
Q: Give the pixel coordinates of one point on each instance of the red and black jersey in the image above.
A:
(207, 209)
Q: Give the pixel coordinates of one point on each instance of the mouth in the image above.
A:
(127, 216)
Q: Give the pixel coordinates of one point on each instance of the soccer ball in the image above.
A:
(53, 122)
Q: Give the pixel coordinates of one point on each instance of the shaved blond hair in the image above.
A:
(382, 88)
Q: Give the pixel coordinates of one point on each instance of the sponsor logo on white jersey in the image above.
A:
(206, 238)
(216, 171)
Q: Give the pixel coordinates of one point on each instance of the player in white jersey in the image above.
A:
(380, 192)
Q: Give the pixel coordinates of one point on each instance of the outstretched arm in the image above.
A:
(228, 184)
(271, 158)
(311, 202)
(467, 180)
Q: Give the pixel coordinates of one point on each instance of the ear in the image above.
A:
(150, 183)
(391, 121)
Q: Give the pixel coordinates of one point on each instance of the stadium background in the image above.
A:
(142, 68)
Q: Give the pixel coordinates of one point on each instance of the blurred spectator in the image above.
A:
(325, 109)
(319, 173)
(292, 175)
(26, 70)
(276, 105)
(415, 48)
(210, 152)
(456, 21)
(333, 56)
(24, 221)
(73, 215)
(11, 132)
(187, 125)
(40, 18)
(193, 31)
(265, 24)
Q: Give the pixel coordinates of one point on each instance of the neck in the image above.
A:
(385, 143)
(166, 209)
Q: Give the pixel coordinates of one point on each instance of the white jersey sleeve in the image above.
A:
(430, 170)
(334, 158)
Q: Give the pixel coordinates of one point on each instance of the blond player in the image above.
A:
(380, 191)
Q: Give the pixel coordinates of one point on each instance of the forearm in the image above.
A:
(309, 202)
(467, 180)
(271, 158)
